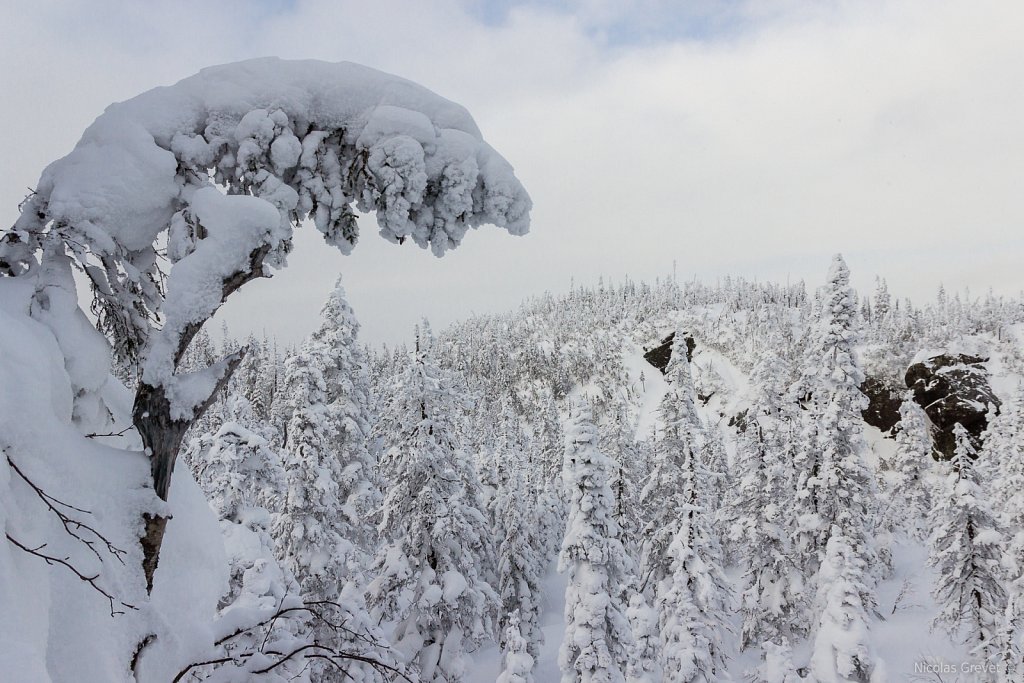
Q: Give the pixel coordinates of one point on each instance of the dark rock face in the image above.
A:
(884, 401)
(740, 421)
(662, 353)
(953, 388)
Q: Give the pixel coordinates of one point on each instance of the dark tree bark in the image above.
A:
(162, 435)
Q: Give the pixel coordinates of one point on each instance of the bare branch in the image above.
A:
(195, 665)
(71, 526)
(94, 435)
(64, 562)
(308, 651)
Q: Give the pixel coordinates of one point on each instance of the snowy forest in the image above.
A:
(643, 482)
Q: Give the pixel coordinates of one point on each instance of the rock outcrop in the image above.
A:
(884, 401)
(660, 354)
(953, 388)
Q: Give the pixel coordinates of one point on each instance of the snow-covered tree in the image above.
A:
(432, 574)
(349, 408)
(1008, 646)
(842, 651)
(289, 140)
(835, 487)
(1002, 465)
(517, 662)
(620, 440)
(598, 639)
(645, 657)
(310, 543)
(548, 444)
(243, 478)
(521, 562)
(772, 600)
(966, 546)
(908, 495)
(693, 604)
(310, 529)
(777, 665)
(670, 489)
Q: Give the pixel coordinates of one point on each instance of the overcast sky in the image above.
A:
(750, 138)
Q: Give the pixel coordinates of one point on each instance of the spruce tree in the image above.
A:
(432, 574)
(966, 547)
(521, 563)
(597, 637)
(517, 662)
(909, 498)
(665, 495)
(645, 658)
(842, 650)
(311, 530)
(772, 599)
(693, 598)
(350, 410)
(835, 488)
(1002, 465)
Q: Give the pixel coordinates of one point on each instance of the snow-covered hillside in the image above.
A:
(534, 496)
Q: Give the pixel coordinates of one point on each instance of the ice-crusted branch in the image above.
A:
(300, 139)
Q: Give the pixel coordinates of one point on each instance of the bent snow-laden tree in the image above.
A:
(173, 200)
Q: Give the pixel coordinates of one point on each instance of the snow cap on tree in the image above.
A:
(290, 139)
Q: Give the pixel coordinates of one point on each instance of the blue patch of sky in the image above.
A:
(645, 22)
(276, 6)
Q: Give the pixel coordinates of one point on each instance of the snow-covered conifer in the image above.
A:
(760, 528)
(238, 471)
(431, 576)
(1002, 465)
(548, 443)
(966, 547)
(835, 488)
(598, 639)
(644, 659)
(620, 441)
(521, 562)
(693, 603)
(842, 651)
(311, 530)
(350, 411)
(777, 665)
(908, 496)
(517, 661)
(669, 489)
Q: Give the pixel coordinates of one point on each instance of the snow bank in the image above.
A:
(55, 626)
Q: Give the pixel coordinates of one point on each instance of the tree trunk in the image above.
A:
(162, 435)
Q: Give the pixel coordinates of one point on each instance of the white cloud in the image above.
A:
(770, 135)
